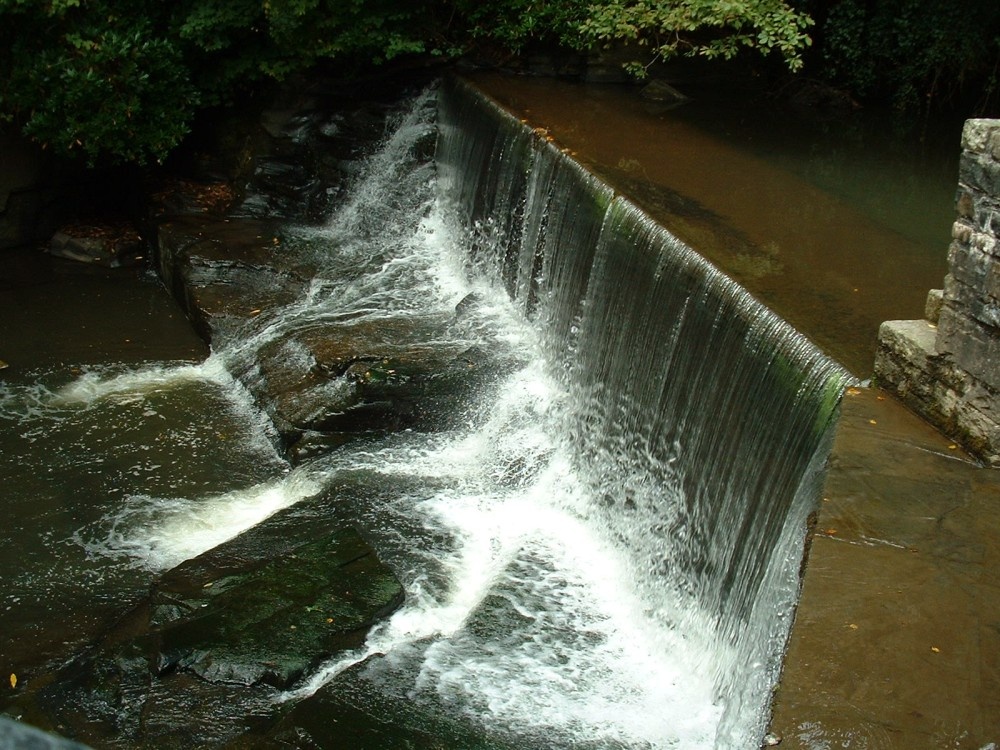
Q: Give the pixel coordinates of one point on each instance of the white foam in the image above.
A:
(158, 533)
(585, 660)
(524, 612)
(99, 384)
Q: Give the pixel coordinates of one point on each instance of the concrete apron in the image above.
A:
(896, 641)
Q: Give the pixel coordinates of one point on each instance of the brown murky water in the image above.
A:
(834, 229)
(58, 312)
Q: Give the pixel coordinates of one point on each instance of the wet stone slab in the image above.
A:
(896, 641)
(337, 717)
(362, 377)
(226, 271)
(273, 622)
(223, 629)
(235, 273)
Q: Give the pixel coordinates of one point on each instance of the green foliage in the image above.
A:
(117, 81)
(708, 28)
(93, 83)
(515, 23)
(116, 90)
(912, 52)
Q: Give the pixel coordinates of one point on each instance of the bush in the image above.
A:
(914, 53)
(115, 81)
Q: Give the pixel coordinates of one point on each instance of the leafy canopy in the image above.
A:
(914, 52)
(116, 81)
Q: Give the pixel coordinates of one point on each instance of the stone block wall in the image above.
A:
(947, 368)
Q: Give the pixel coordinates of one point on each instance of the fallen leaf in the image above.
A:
(935, 649)
(853, 391)
(952, 447)
(872, 421)
(13, 680)
(852, 626)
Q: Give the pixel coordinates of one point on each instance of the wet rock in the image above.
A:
(221, 269)
(333, 717)
(221, 630)
(312, 443)
(467, 304)
(17, 736)
(663, 93)
(95, 250)
(273, 622)
(371, 376)
(312, 153)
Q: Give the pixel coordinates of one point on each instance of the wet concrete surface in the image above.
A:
(896, 642)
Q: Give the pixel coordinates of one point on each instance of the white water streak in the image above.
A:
(159, 533)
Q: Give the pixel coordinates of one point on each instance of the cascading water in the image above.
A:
(604, 551)
(698, 414)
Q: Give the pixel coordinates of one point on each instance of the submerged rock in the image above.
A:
(662, 92)
(108, 248)
(336, 717)
(17, 736)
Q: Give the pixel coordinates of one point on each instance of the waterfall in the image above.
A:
(601, 551)
(700, 416)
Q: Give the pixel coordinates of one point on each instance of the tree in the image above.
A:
(708, 28)
(93, 81)
(916, 53)
(115, 81)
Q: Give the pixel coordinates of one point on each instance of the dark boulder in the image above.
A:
(223, 629)
(272, 622)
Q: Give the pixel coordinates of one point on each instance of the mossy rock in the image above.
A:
(273, 622)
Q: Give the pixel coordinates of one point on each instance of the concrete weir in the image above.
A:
(896, 638)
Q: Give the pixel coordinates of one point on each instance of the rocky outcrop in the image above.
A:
(226, 627)
(233, 269)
